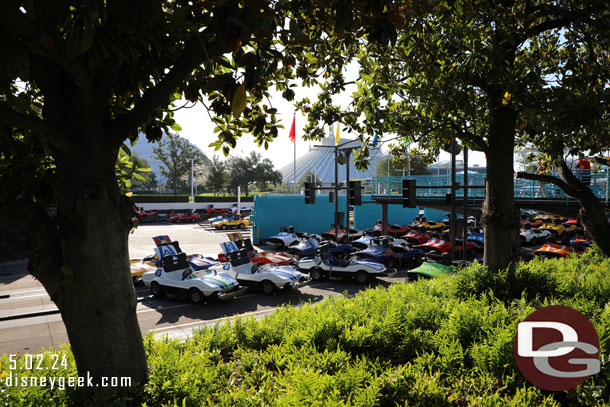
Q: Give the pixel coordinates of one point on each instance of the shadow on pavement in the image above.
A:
(221, 309)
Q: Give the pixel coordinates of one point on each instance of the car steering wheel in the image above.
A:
(186, 273)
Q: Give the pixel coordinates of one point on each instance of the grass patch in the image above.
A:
(444, 342)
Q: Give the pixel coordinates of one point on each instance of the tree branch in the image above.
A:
(547, 25)
(195, 52)
(549, 179)
(601, 160)
(13, 118)
(476, 141)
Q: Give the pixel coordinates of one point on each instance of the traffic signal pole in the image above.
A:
(336, 195)
(347, 194)
(452, 221)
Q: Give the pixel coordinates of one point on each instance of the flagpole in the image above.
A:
(294, 164)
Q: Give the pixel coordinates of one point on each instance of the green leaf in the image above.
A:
(176, 127)
(67, 271)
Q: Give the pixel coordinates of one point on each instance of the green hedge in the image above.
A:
(444, 342)
(160, 198)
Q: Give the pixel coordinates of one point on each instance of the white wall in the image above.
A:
(184, 205)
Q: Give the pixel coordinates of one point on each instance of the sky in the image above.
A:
(199, 129)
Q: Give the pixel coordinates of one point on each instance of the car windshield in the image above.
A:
(201, 274)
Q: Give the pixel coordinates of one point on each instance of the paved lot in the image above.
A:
(21, 294)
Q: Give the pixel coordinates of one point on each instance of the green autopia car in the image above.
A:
(430, 270)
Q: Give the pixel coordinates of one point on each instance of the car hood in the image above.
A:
(284, 235)
(370, 263)
(286, 272)
(432, 270)
(373, 251)
(222, 281)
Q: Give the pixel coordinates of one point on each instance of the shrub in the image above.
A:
(443, 342)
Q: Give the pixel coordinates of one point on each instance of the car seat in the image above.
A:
(243, 257)
(172, 263)
(234, 258)
(176, 245)
(248, 244)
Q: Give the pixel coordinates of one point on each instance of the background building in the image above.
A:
(321, 162)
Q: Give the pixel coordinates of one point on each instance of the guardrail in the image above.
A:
(438, 186)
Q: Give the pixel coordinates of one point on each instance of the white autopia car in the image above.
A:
(176, 279)
(325, 265)
(365, 241)
(267, 278)
(286, 237)
(533, 236)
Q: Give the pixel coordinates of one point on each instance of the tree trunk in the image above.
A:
(592, 214)
(91, 283)
(500, 218)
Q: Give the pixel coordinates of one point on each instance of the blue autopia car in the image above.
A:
(308, 247)
(393, 256)
(478, 238)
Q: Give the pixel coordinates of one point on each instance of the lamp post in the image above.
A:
(192, 196)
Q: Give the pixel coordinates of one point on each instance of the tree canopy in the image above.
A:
(217, 176)
(308, 177)
(397, 165)
(252, 169)
(476, 70)
(175, 154)
(79, 79)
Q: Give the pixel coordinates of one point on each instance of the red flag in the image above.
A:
(293, 133)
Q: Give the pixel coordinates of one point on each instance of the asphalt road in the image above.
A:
(21, 294)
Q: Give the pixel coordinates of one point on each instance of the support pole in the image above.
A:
(384, 218)
(347, 154)
(465, 201)
(336, 195)
(238, 199)
(452, 221)
(192, 181)
(294, 166)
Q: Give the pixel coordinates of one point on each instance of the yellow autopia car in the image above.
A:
(431, 225)
(139, 267)
(558, 229)
(549, 217)
(238, 223)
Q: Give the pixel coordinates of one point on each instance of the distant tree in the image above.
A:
(245, 171)
(308, 177)
(283, 188)
(175, 154)
(151, 182)
(416, 165)
(217, 176)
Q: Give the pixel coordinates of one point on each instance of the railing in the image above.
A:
(438, 186)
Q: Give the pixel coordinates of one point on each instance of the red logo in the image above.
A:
(556, 348)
